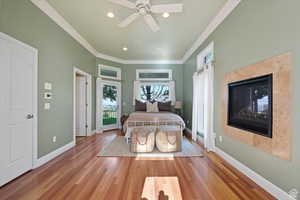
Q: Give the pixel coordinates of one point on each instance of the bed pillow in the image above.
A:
(152, 107)
(140, 106)
(165, 106)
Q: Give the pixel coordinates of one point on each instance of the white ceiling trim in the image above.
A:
(110, 58)
(153, 62)
(218, 19)
(58, 19)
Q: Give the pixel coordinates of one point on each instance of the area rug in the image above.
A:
(119, 148)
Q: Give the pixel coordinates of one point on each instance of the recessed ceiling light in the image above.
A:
(110, 15)
(166, 15)
(125, 48)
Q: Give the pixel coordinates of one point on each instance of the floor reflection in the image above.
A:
(161, 188)
(150, 156)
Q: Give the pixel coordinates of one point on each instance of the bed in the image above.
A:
(166, 127)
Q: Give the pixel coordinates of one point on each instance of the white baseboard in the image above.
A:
(258, 179)
(99, 131)
(93, 132)
(43, 160)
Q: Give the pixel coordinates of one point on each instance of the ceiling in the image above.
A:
(177, 33)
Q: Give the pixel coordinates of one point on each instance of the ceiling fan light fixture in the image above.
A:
(110, 15)
(143, 8)
(166, 15)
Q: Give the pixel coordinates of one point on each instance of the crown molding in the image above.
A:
(110, 58)
(66, 26)
(59, 20)
(217, 20)
(157, 62)
(134, 62)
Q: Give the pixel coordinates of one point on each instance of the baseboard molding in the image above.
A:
(43, 160)
(99, 131)
(93, 132)
(258, 179)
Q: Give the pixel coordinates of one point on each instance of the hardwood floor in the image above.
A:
(80, 139)
(79, 174)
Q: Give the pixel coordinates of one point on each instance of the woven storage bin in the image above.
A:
(142, 140)
(168, 140)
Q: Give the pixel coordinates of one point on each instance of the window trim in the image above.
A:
(169, 71)
(201, 56)
(106, 67)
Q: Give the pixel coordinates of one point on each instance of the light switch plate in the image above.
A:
(221, 138)
(47, 106)
(48, 86)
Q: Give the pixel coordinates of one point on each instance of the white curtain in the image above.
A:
(172, 92)
(136, 87)
(203, 102)
(196, 96)
(209, 136)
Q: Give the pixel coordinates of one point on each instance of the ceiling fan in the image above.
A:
(145, 9)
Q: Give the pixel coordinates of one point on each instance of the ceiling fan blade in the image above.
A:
(170, 8)
(129, 20)
(124, 3)
(151, 23)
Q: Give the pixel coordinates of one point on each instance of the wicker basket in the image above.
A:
(168, 140)
(143, 140)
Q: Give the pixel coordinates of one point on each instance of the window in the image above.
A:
(154, 74)
(205, 57)
(208, 58)
(155, 92)
(109, 72)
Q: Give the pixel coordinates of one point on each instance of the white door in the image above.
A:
(110, 104)
(16, 106)
(81, 106)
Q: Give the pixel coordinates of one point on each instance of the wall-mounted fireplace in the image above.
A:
(250, 105)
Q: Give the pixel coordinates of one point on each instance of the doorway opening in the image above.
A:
(108, 105)
(82, 105)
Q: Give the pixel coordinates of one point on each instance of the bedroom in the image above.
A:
(64, 35)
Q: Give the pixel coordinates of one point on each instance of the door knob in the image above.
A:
(29, 116)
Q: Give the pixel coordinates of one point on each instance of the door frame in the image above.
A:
(99, 121)
(89, 101)
(35, 96)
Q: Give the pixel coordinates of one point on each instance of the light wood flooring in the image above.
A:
(80, 174)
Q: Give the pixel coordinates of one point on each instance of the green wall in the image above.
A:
(58, 53)
(129, 75)
(256, 30)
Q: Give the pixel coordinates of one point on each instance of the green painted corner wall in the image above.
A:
(58, 54)
(256, 30)
(129, 75)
